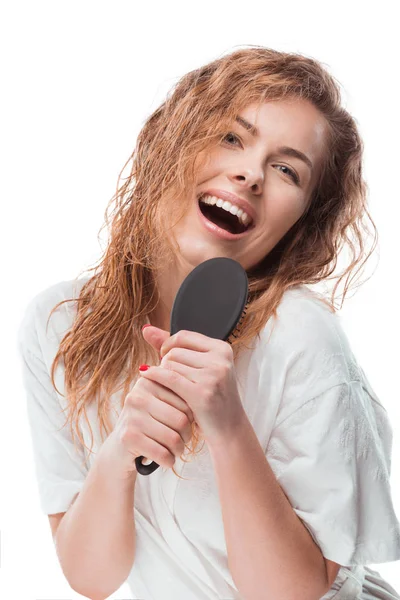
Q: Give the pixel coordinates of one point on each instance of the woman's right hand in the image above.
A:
(154, 423)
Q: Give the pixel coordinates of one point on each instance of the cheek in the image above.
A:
(284, 208)
(203, 164)
(211, 163)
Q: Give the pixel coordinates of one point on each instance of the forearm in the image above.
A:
(271, 554)
(95, 540)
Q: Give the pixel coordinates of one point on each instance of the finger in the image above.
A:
(160, 392)
(188, 339)
(174, 381)
(190, 360)
(170, 417)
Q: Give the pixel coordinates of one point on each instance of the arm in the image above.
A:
(271, 554)
(95, 539)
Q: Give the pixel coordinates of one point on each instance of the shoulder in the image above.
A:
(306, 323)
(307, 349)
(36, 330)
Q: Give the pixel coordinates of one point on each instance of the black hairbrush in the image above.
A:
(211, 300)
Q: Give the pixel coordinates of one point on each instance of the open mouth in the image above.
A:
(223, 218)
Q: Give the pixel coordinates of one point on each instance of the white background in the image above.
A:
(78, 81)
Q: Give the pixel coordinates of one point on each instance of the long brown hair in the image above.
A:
(104, 347)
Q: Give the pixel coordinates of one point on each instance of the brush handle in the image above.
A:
(145, 469)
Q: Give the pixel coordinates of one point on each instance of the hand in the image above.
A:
(201, 371)
(154, 423)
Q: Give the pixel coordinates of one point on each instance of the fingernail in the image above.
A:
(144, 326)
(144, 367)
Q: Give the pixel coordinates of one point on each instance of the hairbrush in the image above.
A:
(211, 300)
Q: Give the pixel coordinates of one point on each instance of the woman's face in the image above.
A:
(257, 170)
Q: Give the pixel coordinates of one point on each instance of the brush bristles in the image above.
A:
(237, 328)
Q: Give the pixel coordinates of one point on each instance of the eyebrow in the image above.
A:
(286, 150)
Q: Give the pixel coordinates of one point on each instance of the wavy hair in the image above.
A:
(104, 347)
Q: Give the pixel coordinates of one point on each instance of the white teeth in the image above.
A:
(229, 207)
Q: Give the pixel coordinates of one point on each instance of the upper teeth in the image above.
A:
(228, 206)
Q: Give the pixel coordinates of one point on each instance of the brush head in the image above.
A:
(211, 299)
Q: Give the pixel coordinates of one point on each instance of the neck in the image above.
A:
(167, 281)
(160, 317)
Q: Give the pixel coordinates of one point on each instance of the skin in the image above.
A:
(252, 169)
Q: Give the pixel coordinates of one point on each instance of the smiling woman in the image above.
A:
(249, 182)
(256, 141)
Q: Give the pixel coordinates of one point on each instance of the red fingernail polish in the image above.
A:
(144, 367)
(147, 325)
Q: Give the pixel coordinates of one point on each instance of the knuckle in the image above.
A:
(180, 336)
(129, 398)
(227, 348)
(139, 401)
(165, 456)
(173, 354)
(176, 440)
(182, 421)
(226, 367)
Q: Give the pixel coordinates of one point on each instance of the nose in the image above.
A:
(252, 179)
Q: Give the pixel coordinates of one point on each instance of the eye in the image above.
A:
(292, 174)
(232, 135)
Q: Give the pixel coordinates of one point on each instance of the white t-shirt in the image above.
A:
(324, 432)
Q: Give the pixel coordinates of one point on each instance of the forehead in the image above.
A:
(293, 122)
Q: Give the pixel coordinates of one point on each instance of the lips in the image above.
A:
(230, 197)
(217, 231)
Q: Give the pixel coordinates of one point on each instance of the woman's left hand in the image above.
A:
(201, 371)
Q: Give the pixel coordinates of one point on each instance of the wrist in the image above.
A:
(227, 437)
(113, 465)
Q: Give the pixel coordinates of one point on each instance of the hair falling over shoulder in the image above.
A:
(103, 349)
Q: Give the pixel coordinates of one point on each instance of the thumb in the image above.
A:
(155, 336)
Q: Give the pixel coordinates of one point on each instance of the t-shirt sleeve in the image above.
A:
(332, 458)
(59, 461)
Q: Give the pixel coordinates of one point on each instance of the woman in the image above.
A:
(256, 144)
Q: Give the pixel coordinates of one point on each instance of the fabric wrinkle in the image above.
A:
(325, 434)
